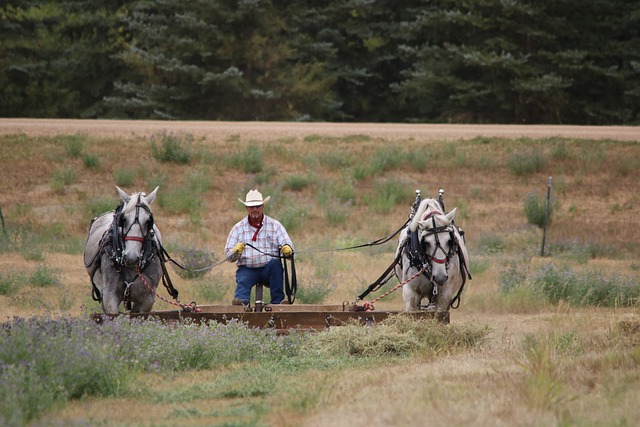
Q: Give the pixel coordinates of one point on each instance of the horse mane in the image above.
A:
(427, 206)
(133, 201)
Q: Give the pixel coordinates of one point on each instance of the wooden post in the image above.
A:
(546, 217)
(4, 230)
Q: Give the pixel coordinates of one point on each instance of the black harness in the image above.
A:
(416, 252)
(112, 243)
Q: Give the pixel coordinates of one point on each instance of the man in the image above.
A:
(257, 266)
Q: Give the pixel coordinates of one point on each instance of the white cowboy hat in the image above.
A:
(254, 198)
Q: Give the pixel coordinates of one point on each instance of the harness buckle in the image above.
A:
(127, 289)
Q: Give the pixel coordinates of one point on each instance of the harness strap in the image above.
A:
(166, 280)
(290, 287)
(167, 257)
(384, 278)
(377, 242)
(464, 270)
(96, 263)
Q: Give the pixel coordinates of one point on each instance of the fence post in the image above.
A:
(4, 230)
(546, 217)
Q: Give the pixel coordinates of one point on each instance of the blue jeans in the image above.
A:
(247, 277)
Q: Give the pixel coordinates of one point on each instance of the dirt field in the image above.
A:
(484, 387)
(282, 129)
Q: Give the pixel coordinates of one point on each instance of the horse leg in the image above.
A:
(143, 291)
(411, 297)
(443, 299)
(142, 302)
(109, 282)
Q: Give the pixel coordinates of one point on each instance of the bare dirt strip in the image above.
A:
(271, 130)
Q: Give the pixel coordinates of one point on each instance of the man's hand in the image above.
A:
(238, 248)
(287, 251)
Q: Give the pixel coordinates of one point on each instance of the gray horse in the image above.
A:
(433, 259)
(122, 255)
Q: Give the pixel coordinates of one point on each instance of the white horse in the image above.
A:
(433, 259)
(122, 255)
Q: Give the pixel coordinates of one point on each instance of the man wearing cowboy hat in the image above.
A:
(259, 265)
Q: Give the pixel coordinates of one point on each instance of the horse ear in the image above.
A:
(151, 197)
(451, 215)
(124, 196)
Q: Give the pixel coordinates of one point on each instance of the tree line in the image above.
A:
(472, 61)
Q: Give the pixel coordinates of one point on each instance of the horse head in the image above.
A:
(436, 239)
(135, 227)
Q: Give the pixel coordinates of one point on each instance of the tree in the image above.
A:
(56, 57)
(216, 60)
(522, 62)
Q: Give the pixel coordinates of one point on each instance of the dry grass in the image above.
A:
(542, 364)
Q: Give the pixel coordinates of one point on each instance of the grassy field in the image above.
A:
(560, 340)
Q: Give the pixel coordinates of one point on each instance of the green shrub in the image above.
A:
(91, 161)
(167, 147)
(73, 145)
(44, 277)
(536, 210)
(362, 172)
(297, 182)
(588, 288)
(387, 158)
(555, 283)
(249, 161)
(125, 177)
(526, 162)
(100, 205)
(11, 282)
(387, 194)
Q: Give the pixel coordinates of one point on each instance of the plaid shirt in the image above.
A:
(271, 237)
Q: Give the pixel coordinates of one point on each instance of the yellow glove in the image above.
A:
(238, 248)
(287, 251)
